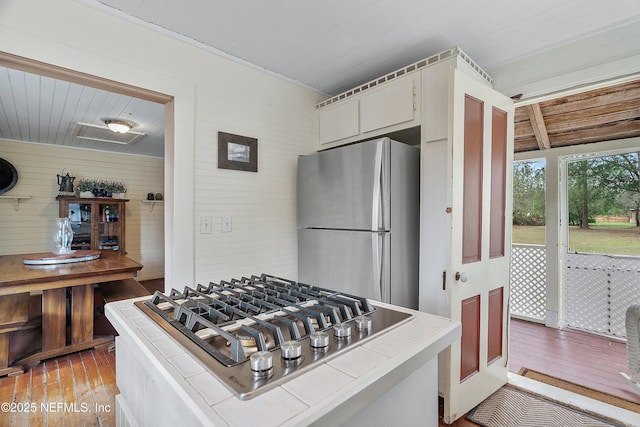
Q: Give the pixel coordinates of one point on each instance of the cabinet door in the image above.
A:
(435, 99)
(391, 104)
(97, 224)
(81, 224)
(109, 228)
(339, 121)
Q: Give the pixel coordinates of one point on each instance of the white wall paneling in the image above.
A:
(31, 228)
(211, 94)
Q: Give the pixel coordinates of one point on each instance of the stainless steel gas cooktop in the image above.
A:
(256, 333)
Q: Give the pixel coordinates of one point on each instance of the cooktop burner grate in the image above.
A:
(224, 324)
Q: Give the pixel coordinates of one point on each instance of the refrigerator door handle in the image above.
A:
(378, 261)
(376, 208)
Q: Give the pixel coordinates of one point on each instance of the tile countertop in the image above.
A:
(338, 388)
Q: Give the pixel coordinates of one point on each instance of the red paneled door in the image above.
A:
(481, 143)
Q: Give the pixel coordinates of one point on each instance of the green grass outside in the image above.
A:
(608, 238)
(613, 224)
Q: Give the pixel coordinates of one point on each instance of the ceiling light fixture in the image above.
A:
(119, 126)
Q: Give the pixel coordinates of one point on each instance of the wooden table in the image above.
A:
(17, 280)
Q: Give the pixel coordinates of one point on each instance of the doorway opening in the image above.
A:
(67, 86)
(598, 275)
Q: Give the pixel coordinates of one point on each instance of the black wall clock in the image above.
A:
(8, 176)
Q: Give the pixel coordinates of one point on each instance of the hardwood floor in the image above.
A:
(73, 390)
(589, 360)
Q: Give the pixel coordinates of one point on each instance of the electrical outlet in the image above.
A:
(205, 225)
(226, 224)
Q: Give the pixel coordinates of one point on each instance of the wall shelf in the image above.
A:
(16, 200)
(151, 203)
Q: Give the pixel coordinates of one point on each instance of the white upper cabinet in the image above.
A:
(385, 106)
(414, 97)
(339, 121)
(435, 102)
(390, 104)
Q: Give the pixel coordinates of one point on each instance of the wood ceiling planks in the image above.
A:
(593, 116)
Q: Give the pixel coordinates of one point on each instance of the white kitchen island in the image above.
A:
(389, 380)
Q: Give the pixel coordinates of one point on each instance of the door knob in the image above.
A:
(461, 276)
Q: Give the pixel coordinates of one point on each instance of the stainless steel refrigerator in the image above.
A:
(358, 220)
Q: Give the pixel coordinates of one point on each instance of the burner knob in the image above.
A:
(319, 339)
(342, 330)
(291, 350)
(363, 323)
(261, 361)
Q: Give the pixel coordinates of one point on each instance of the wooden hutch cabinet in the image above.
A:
(98, 223)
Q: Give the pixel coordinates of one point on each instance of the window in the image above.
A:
(603, 198)
(529, 202)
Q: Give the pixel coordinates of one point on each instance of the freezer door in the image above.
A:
(345, 188)
(353, 262)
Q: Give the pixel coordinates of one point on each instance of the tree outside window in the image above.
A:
(603, 203)
(529, 202)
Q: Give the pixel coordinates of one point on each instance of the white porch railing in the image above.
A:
(597, 288)
(597, 291)
(528, 291)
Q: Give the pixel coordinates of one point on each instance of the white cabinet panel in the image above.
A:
(339, 121)
(435, 101)
(391, 104)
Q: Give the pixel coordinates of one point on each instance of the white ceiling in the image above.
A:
(41, 109)
(330, 46)
(334, 45)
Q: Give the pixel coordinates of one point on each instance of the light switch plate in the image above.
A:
(205, 225)
(226, 226)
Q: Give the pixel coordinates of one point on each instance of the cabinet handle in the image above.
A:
(414, 96)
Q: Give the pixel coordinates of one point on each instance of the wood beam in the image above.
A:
(35, 67)
(539, 128)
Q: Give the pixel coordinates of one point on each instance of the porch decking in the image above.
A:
(582, 358)
(589, 360)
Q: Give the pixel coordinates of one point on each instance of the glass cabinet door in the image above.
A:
(80, 214)
(96, 224)
(109, 227)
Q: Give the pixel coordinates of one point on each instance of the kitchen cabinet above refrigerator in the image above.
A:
(385, 108)
(393, 103)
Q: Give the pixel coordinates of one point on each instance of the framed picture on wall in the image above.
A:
(237, 152)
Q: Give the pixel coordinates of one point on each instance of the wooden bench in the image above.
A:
(20, 321)
(121, 289)
(110, 292)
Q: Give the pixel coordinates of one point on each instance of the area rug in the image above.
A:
(511, 407)
(582, 390)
